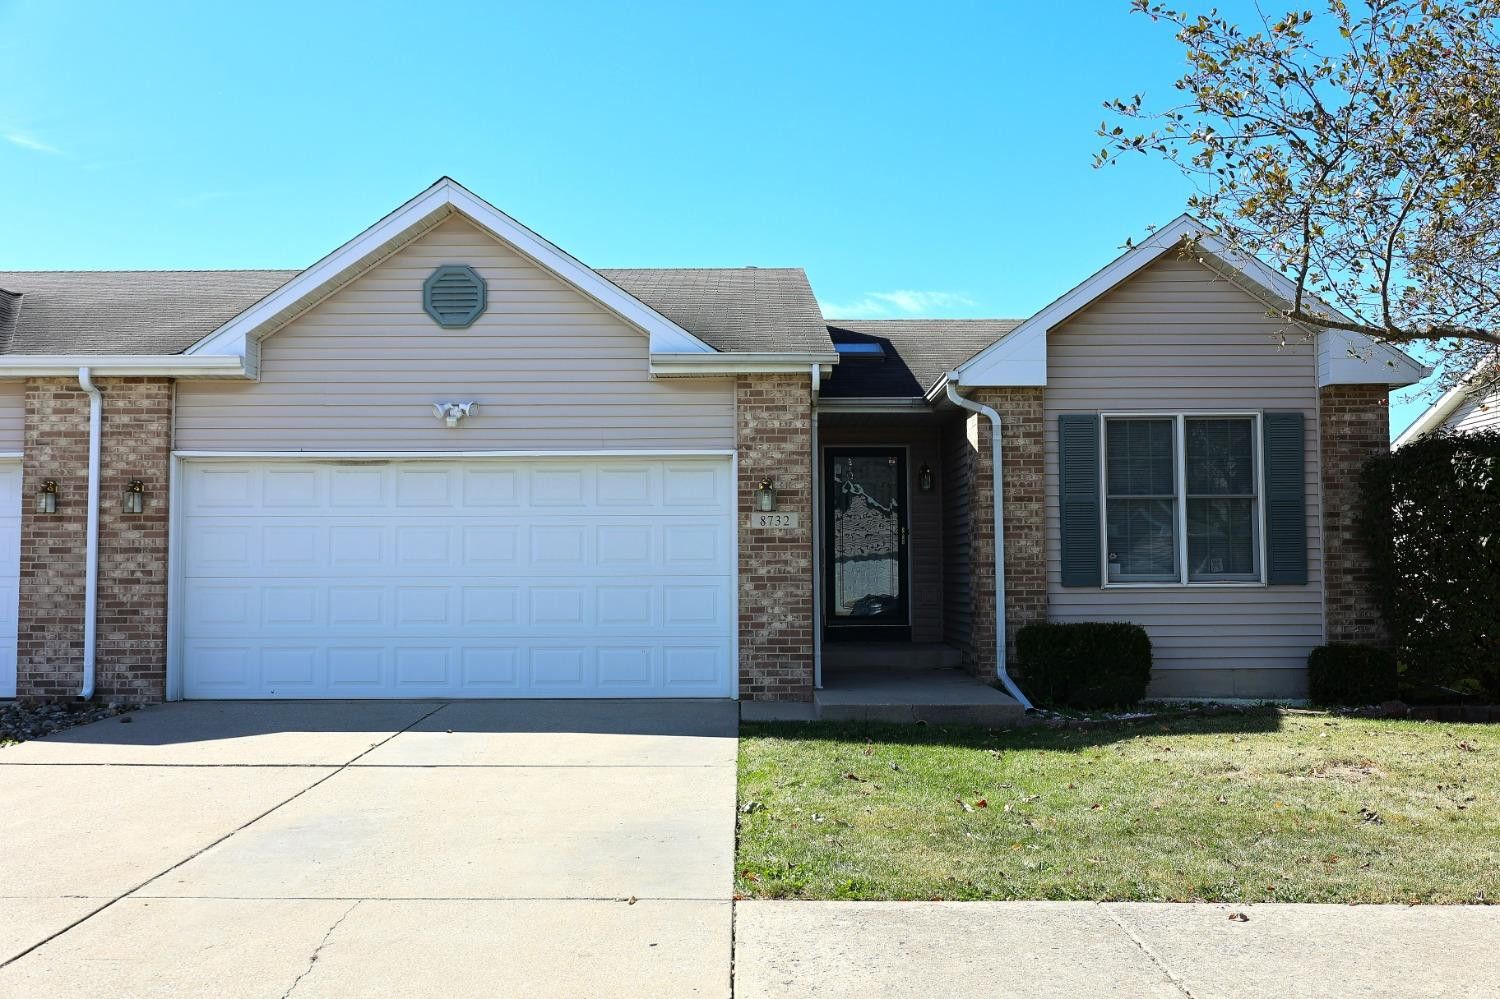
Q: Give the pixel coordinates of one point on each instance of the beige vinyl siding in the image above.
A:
(549, 368)
(958, 456)
(925, 519)
(12, 415)
(1476, 414)
(1177, 337)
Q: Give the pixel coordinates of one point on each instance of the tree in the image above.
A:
(1358, 151)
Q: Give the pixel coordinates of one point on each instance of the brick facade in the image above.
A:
(1020, 410)
(774, 432)
(132, 600)
(1354, 424)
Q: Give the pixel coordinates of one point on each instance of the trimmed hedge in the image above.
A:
(1084, 665)
(1430, 521)
(1340, 673)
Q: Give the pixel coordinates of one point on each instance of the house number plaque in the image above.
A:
(774, 521)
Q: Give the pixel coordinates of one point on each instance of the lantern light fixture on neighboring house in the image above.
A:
(135, 497)
(765, 497)
(924, 478)
(46, 497)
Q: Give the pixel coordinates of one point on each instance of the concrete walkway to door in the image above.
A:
(376, 848)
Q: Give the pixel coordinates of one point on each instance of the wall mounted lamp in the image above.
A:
(46, 497)
(135, 497)
(765, 497)
(924, 478)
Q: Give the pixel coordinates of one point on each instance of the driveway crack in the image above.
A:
(1150, 954)
(313, 959)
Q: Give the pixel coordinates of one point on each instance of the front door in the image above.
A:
(865, 527)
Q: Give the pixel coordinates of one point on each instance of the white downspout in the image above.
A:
(91, 556)
(817, 537)
(995, 428)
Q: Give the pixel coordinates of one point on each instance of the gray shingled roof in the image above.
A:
(126, 312)
(733, 309)
(917, 353)
(165, 312)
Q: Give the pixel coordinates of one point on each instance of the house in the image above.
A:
(449, 459)
(1469, 407)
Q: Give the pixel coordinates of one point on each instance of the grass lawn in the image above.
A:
(1249, 807)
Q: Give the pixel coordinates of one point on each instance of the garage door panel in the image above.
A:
(687, 607)
(481, 578)
(541, 487)
(231, 547)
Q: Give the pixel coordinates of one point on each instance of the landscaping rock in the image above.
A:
(20, 722)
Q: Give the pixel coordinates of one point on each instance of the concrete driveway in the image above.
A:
(371, 849)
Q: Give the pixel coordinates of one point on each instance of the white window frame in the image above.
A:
(1179, 444)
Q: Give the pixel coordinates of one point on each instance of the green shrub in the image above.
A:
(1084, 665)
(1341, 673)
(1430, 522)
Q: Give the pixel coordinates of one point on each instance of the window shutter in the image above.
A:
(1078, 497)
(1286, 499)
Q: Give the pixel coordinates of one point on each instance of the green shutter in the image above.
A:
(1286, 499)
(1078, 497)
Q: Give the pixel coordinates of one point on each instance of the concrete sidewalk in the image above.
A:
(968, 950)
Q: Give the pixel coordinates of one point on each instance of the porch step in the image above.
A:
(935, 696)
(844, 657)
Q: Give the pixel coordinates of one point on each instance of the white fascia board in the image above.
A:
(740, 363)
(117, 365)
(1434, 416)
(1020, 358)
(416, 216)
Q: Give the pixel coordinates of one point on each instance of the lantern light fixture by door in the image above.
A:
(46, 497)
(924, 478)
(135, 497)
(765, 497)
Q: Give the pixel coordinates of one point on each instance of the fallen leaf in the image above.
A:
(851, 775)
(1095, 807)
(1239, 917)
(631, 900)
(964, 804)
(981, 803)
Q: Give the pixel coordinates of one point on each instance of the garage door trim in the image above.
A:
(175, 541)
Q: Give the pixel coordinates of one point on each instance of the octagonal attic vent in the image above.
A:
(454, 296)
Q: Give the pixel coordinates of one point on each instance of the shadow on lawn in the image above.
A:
(1069, 737)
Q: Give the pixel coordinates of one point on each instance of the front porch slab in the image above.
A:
(889, 695)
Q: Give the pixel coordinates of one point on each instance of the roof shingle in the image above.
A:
(917, 353)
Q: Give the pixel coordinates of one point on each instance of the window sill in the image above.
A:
(1253, 584)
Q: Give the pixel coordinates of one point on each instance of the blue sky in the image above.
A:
(915, 159)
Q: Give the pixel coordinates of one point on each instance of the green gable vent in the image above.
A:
(454, 296)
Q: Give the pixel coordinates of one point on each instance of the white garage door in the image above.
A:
(457, 578)
(10, 571)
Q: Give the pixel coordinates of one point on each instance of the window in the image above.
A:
(1181, 499)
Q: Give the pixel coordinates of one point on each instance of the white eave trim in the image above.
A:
(167, 365)
(1434, 416)
(1020, 357)
(740, 363)
(443, 198)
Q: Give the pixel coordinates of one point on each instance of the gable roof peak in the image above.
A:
(411, 220)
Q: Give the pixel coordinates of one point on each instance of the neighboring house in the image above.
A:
(450, 460)
(1467, 408)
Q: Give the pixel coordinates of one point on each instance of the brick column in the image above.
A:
(774, 431)
(132, 601)
(1020, 410)
(1354, 424)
